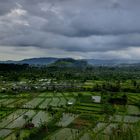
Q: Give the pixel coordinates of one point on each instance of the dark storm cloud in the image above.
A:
(71, 25)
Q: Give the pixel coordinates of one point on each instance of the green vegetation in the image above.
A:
(70, 103)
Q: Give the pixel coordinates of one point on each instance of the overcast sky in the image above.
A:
(99, 29)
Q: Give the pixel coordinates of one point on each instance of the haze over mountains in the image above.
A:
(63, 61)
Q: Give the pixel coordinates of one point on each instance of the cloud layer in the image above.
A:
(103, 29)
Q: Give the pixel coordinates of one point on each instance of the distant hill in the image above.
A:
(34, 61)
(112, 62)
(72, 62)
(39, 61)
(69, 62)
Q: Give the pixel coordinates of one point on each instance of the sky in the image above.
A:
(81, 29)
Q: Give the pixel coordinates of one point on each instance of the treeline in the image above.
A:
(13, 67)
(15, 72)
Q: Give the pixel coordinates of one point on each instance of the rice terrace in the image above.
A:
(87, 105)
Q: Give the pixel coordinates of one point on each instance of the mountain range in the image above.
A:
(70, 61)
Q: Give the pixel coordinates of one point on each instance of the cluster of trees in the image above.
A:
(112, 76)
(16, 72)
